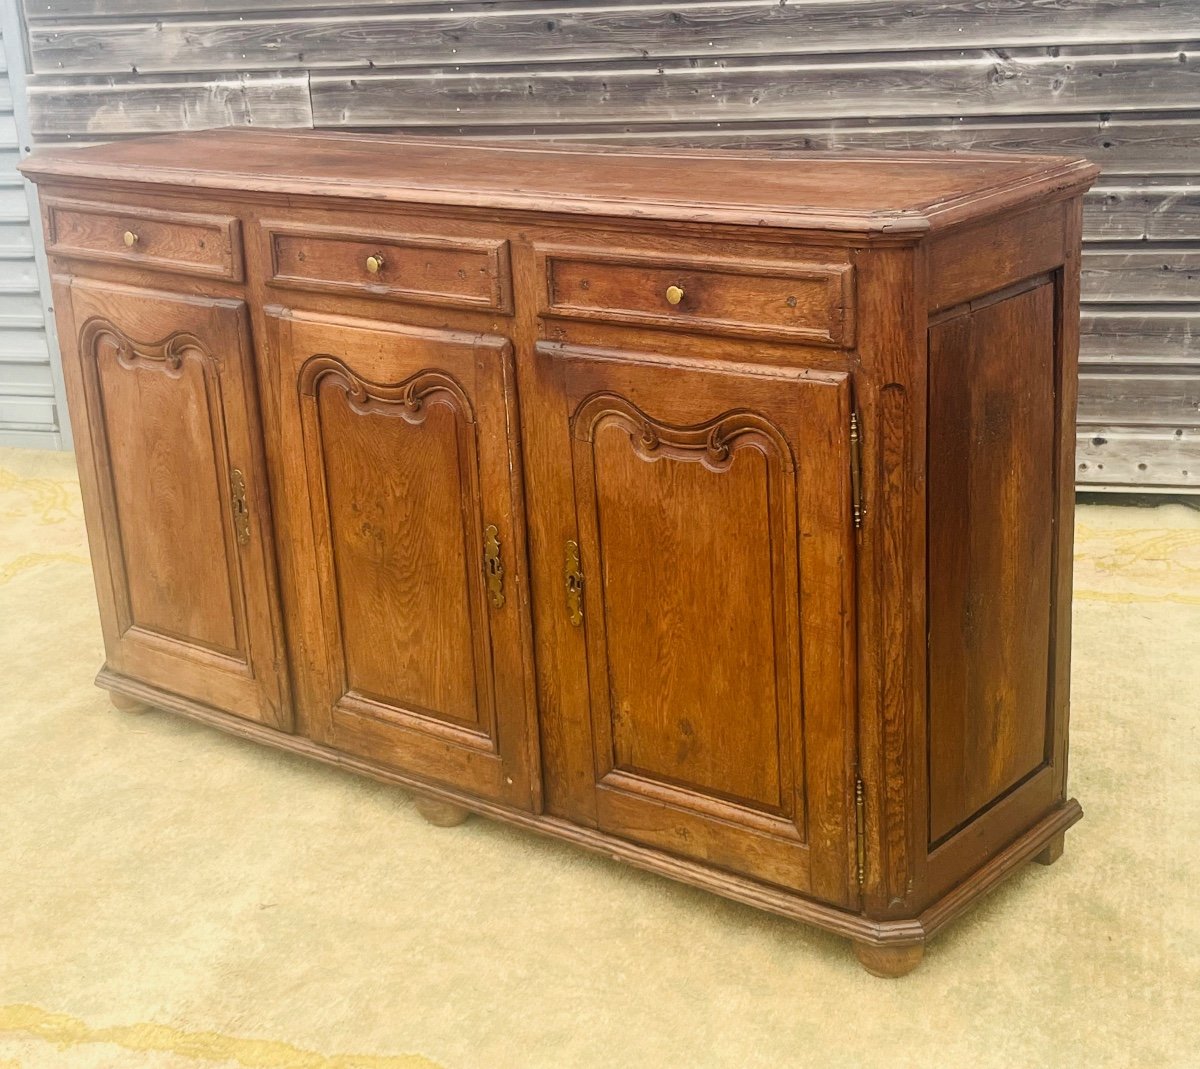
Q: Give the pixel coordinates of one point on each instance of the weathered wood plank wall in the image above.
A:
(1116, 80)
(30, 391)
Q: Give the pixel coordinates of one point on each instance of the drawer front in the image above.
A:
(764, 298)
(183, 242)
(467, 272)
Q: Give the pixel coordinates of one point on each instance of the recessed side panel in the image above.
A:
(991, 500)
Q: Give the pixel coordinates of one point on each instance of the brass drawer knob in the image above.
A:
(375, 264)
(130, 239)
(674, 295)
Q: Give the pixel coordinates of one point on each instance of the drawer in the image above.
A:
(811, 302)
(425, 269)
(183, 242)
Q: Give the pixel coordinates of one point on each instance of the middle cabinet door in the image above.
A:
(404, 520)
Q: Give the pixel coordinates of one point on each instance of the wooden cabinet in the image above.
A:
(170, 463)
(710, 511)
(714, 513)
(399, 460)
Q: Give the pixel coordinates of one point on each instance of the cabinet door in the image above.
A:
(162, 396)
(396, 441)
(710, 593)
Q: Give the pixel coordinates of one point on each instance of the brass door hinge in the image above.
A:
(493, 566)
(856, 498)
(237, 502)
(860, 831)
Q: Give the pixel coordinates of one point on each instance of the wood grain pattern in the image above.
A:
(967, 82)
(481, 34)
(1141, 274)
(190, 243)
(1112, 80)
(1164, 337)
(1146, 211)
(707, 724)
(794, 623)
(1157, 458)
(161, 393)
(51, 9)
(990, 509)
(1133, 399)
(428, 269)
(1020, 247)
(396, 441)
(876, 194)
(116, 107)
(1136, 145)
(1062, 567)
(808, 302)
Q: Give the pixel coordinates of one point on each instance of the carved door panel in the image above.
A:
(408, 560)
(711, 595)
(162, 393)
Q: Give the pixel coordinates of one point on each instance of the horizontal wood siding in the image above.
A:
(1117, 81)
(29, 412)
(547, 32)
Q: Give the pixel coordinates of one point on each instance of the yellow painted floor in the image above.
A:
(171, 898)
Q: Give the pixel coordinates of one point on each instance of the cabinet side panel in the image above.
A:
(991, 504)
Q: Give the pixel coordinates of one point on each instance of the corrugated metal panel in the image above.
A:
(1115, 80)
(29, 413)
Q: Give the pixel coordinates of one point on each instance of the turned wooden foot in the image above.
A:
(1052, 851)
(889, 961)
(125, 704)
(441, 814)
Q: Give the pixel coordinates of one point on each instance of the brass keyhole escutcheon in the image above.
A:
(674, 295)
(493, 566)
(573, 577)
(375, 264)
(130, 239)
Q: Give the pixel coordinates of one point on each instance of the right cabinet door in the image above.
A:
(707, 612)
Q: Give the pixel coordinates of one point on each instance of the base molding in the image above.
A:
(892, 936)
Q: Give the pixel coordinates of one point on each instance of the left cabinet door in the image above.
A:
(162, 397)
(401, 482)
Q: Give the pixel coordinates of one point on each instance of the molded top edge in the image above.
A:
(900, 193)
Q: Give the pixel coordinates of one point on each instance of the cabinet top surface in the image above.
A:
(897, 192)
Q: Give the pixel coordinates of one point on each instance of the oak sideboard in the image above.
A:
(710, 510)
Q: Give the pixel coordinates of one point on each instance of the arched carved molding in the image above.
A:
(712, 443)
(168, 353)
(409, 398)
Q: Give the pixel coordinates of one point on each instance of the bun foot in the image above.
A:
(1052, 851)
(125, 704)
(441, 814)
(889, 961)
